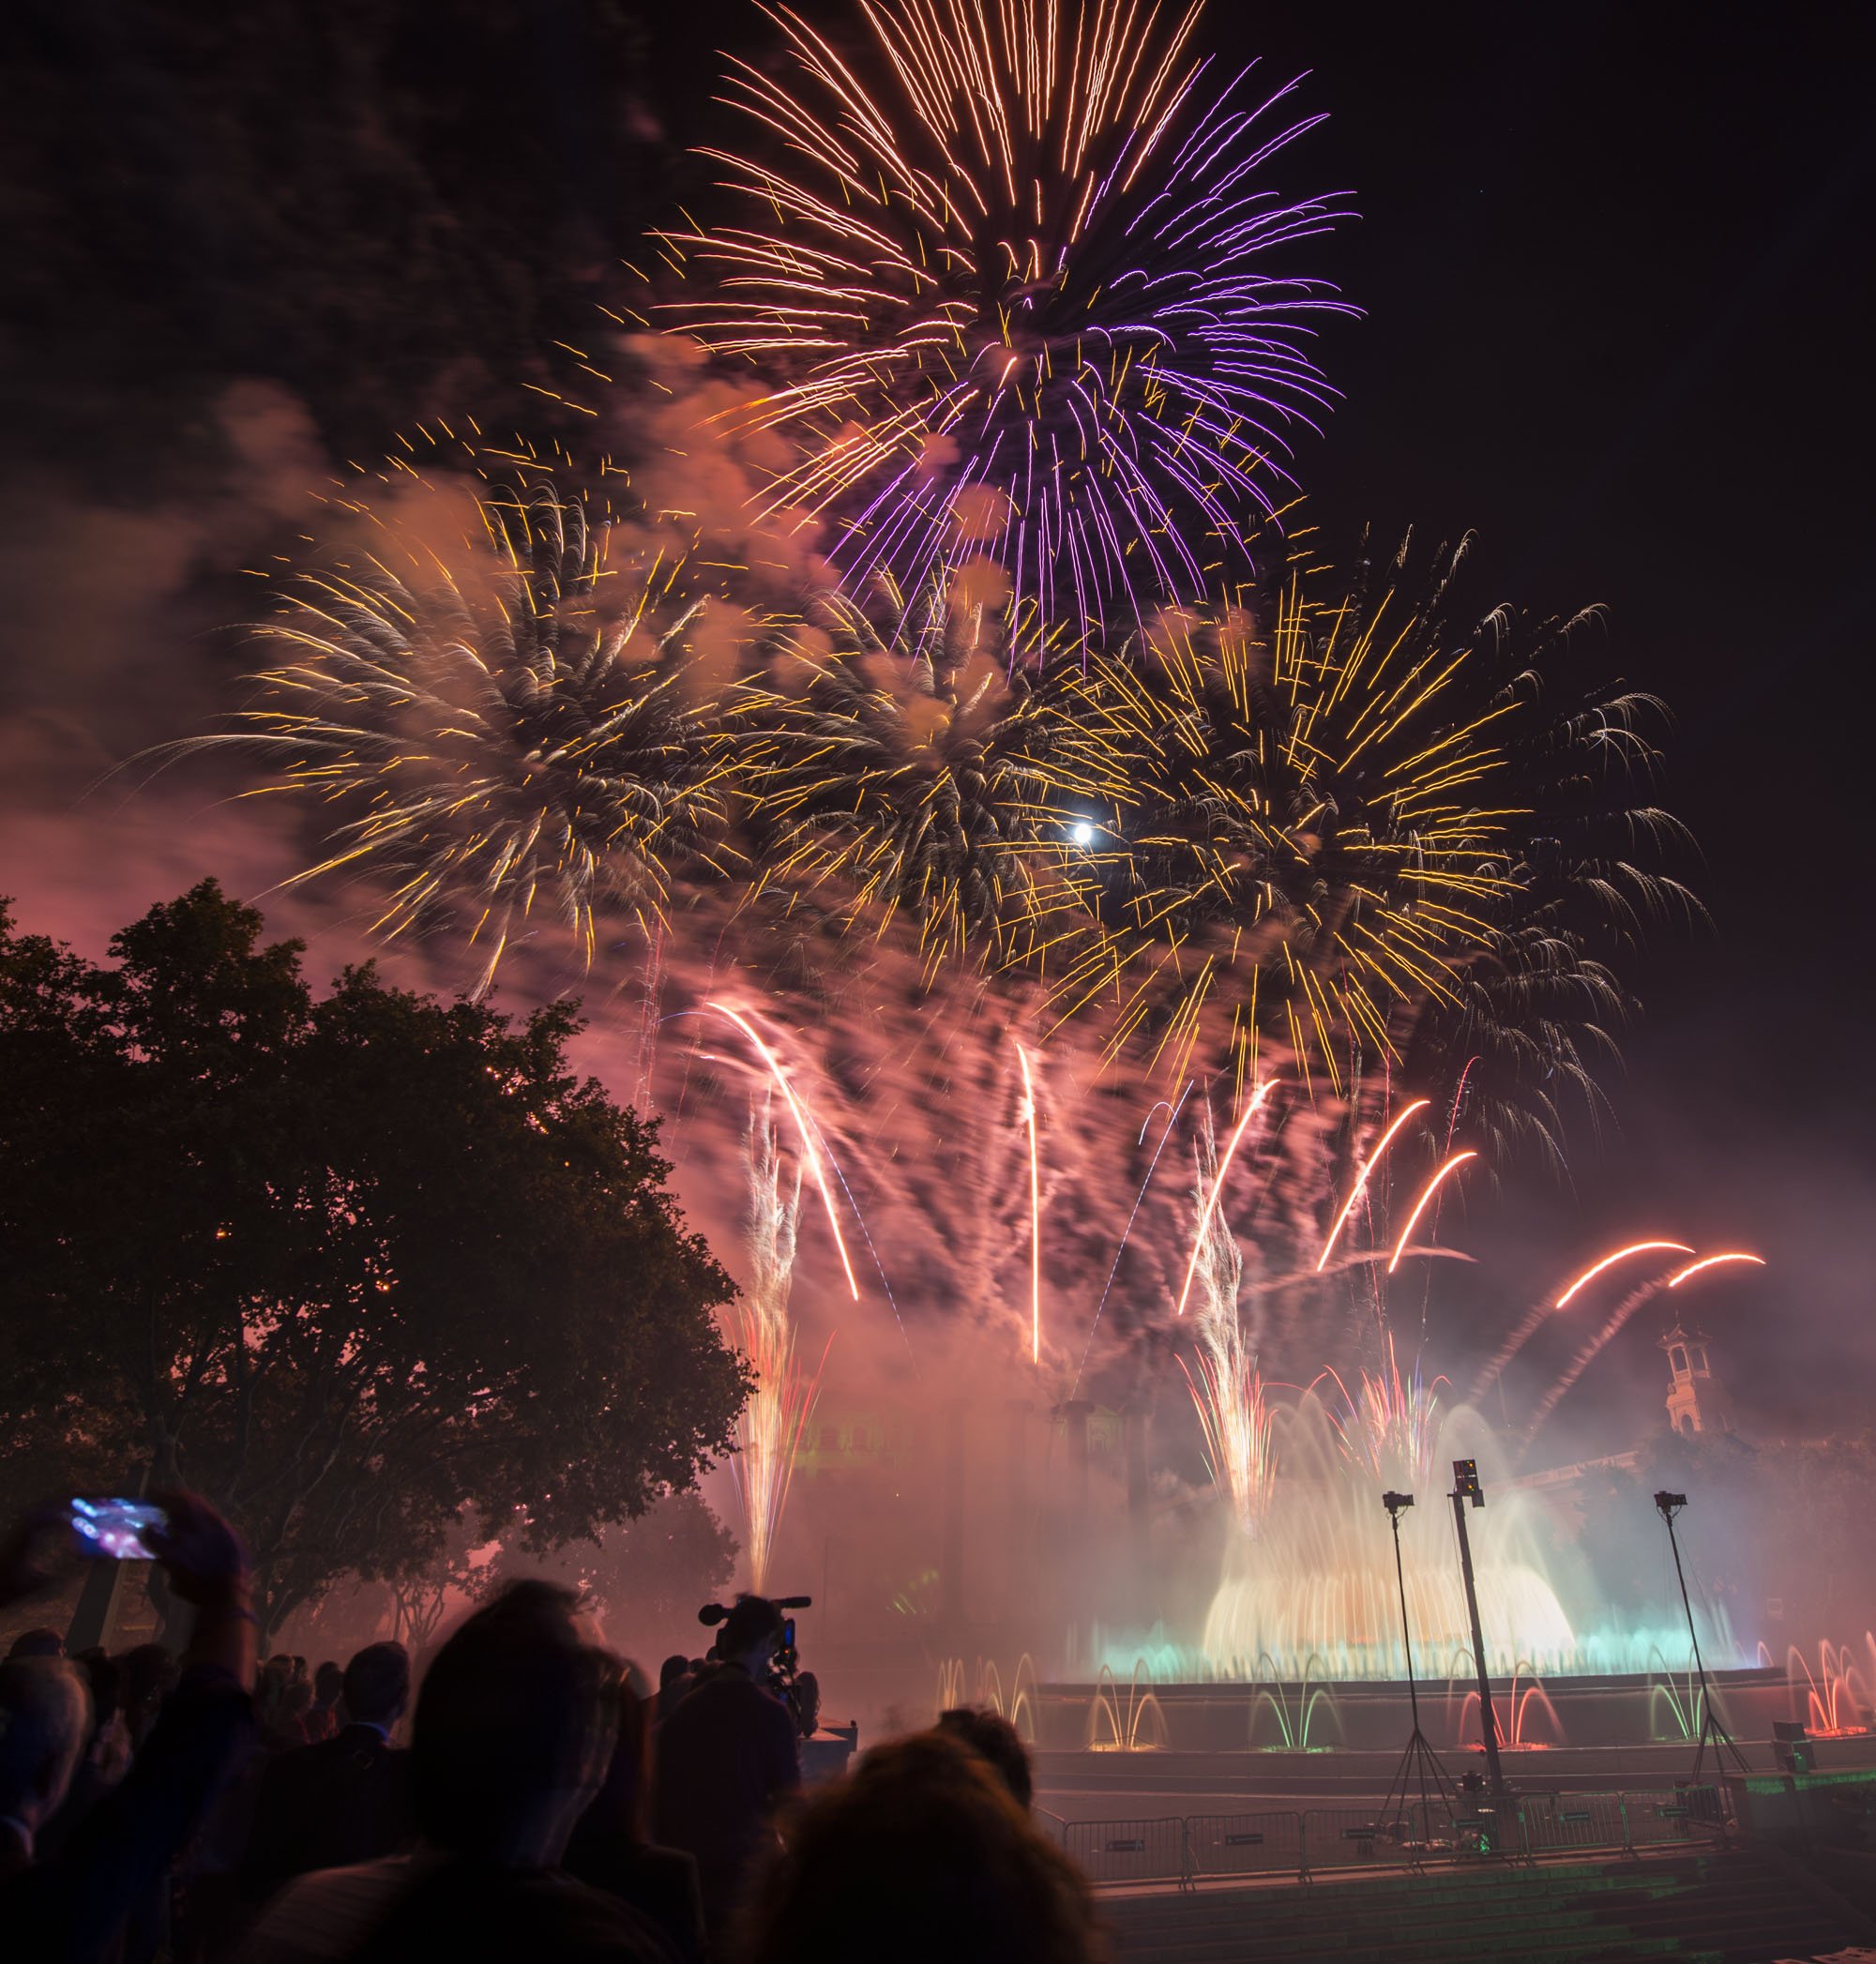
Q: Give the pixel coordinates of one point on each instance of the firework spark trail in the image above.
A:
(806, 1130)
(1390, 1430)
(1015, 298)
(1459, 1100)
(1536, 1315)
(1629, 1304)
(1026, 1117)
(1426, 1193)
(1107, 1287)
(1210, 1206)
(1360, 1185)
(886, 1281)
(1706, 1261)
(771, 1426)
(1227, 1391)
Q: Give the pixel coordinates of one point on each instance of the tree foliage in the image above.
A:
(353, 1265)
(645, 1578)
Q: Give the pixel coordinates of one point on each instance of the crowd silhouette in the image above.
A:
(547, 1804)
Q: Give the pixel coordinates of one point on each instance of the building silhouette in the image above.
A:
(1697, 1401)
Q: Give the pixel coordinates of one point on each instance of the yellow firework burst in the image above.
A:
(517, 728)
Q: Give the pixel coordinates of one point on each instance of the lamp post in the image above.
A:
(1466, 1487)
(1711, 1731)
(1419, 1764)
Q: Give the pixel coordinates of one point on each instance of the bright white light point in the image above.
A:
(1082, 833)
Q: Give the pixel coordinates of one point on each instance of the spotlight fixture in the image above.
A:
(1466, 1487)
(1712, 1731)
(1420, 1764)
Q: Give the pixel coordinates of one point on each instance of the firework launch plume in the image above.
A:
(1389, 1425)
(771, 1426)
(1226, 1384)
(1023, 294)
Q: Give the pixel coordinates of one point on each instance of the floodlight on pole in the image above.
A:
(1711, 1732)
(1419, 1764)
(1466, 1487)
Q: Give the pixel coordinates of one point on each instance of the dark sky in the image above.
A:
(1614, 260)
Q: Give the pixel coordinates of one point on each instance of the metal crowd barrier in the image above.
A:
(1245, 1844)
(1130, 1850)
(1187, 1849)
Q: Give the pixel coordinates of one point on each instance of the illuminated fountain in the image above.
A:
(1307, 1589)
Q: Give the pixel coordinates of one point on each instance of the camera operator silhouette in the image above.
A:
(727, 1757)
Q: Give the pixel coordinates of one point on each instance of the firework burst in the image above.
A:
(513, 731)
(1021, 290)
(915, 781)
(1351, 828)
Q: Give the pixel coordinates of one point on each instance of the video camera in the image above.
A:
(798, 1690)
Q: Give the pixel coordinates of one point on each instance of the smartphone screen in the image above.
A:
(788, 1634)
(117, 1528)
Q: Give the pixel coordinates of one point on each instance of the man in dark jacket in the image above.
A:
(347, 1799)
(513, 1728)
(728, 1756)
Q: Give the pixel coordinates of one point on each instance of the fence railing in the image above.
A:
(1187, 1849)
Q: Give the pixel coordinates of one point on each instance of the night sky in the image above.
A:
(1613, 266)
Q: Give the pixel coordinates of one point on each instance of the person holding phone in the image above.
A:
(72, 1906)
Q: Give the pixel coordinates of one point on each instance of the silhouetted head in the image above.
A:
(993, 1739)
(329, 1683)
(377, 1685)
(514, 1726)
(45, 1719)
(41, 1642)
(750, 1633)
(670, 1670)
(923, 1842)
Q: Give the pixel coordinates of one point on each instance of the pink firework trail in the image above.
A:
(1210, 1206)
(1629, 1304)
(1539, 1310)
(1706, 1261)
(1139, 1198)
(805, 1131)
(1027, 1118)
(1426, 1193)
(1360, 1185)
